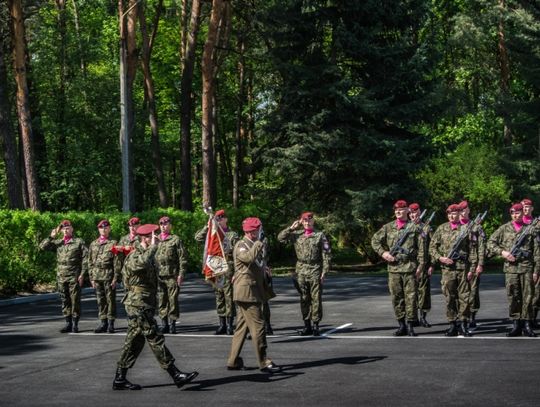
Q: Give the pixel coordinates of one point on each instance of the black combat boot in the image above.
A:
(534, 321)
(68, 327)
(111, 326)
(164, 329)
(230, 325)
(423, 320)
(316, 329)
(472, 324)
(102, 327)
(410, 329)
(527, 329)
(268, 328)
(516, 328)
(463, 329)
(222, 328)
(75, 328)
(402, 329)
(173, 326)
(180, 378)
(452, 330)
(307, 328)
(121, 383)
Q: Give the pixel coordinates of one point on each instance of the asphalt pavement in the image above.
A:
(356, 361)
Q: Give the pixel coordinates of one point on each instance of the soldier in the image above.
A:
(171, 264)
(223, 293)
(455, 286)
(71, 270)
(423, 277)
(404, 262)
(528, 209)
(521, 271)
(130, 239)
(476, 259)
(313, 262)
(105, 272)
(140, 301)
(249, 294)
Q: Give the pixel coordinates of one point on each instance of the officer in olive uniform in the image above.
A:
(528, 218)
(223, 293)
(476, 259)
(105, 273)
(140, 302)
(171, 264)
(404, 262)
(455, 285)
(521, 270)
(72, 266)
(313, 262)
(249, 294)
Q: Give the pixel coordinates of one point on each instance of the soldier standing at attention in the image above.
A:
(71, 268)
(171, 265)
(528, 209)
(140, 301)
(423, 276)
(249, 294)
(313, 262)
(454, 282)
(130, 239)
(105, 272)
(403, 265)
(224, 293)
(521, 270)
(476, 259)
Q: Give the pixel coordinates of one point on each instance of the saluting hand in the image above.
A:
(296, 224)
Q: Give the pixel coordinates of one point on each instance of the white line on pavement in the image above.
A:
(331, 331)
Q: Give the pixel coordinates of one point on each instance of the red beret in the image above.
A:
(147, 229)
(251, 224)
(306, 215)
(453, 208)
(527, 201)
(134, 221)
(65, 223)
(414, 206)
(220, 213)
(164, 219)
(400, 204)
(463, 205)
(517, 207)
(104, 223)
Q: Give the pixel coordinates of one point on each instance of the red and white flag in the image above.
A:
(214, 261)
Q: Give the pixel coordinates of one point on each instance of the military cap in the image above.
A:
(306, 215)
(220, 214)
(103, 223)
(517, 207)
(463, 205)
(452, 208)
(414, 206)
(527, 201)
(251, 224)
(134, 221)
(65, 223)
(147, 229)
(400, 204)
(164, 219)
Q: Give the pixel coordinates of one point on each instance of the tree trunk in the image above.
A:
(150, 97)
(25, 120)
(61, 96)
(186, 106)
(504, 65)
(239, 123)
(79, 41)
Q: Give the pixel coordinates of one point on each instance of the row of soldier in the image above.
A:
(460, 248)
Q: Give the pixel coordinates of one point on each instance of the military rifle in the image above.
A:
(517, 251)
(398, 246)
(454, 251)
(425, 226)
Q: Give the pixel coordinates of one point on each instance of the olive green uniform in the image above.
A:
(478, 256)
(401, 273)
(71, 263)
(171, 262)
(518, 274)
(313, 260)
(104, 268)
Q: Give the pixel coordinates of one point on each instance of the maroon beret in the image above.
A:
(134, 221)
(306, 215)
(65, 223)
(463, 205)
(164, 219)
(400, 204)
(453, 208)
(527, 201)
(251, 224)
(103, 223)
(414, 206)
(517, 207)
(220, 213)
(147, 229)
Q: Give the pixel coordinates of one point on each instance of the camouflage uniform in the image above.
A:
(401, 273)
(478, 254)
(423, 289)
(71, 263)
(104, 268)
(171, 263)
(313, 260)
(455, 287)
(518, 275)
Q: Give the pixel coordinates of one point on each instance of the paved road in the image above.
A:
(356, 363)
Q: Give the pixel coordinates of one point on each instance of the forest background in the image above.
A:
(265, 108)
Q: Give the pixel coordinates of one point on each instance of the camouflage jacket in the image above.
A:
(313, 252)
(248, 283)
(71, 257)
(426, 233)
(413, 247)
(139, 275)
(504, 239)
(442, 242)
(170, 257)
(103, 265)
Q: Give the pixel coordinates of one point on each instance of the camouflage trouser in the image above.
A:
(106, 300)
(474, 300)
(224, 299)
(141, 326)
(520, 291)
(70, 294)
(423, 289)
(311, 297)
(168, 297)
(536, 298)
(402, 287)
(456, 290)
